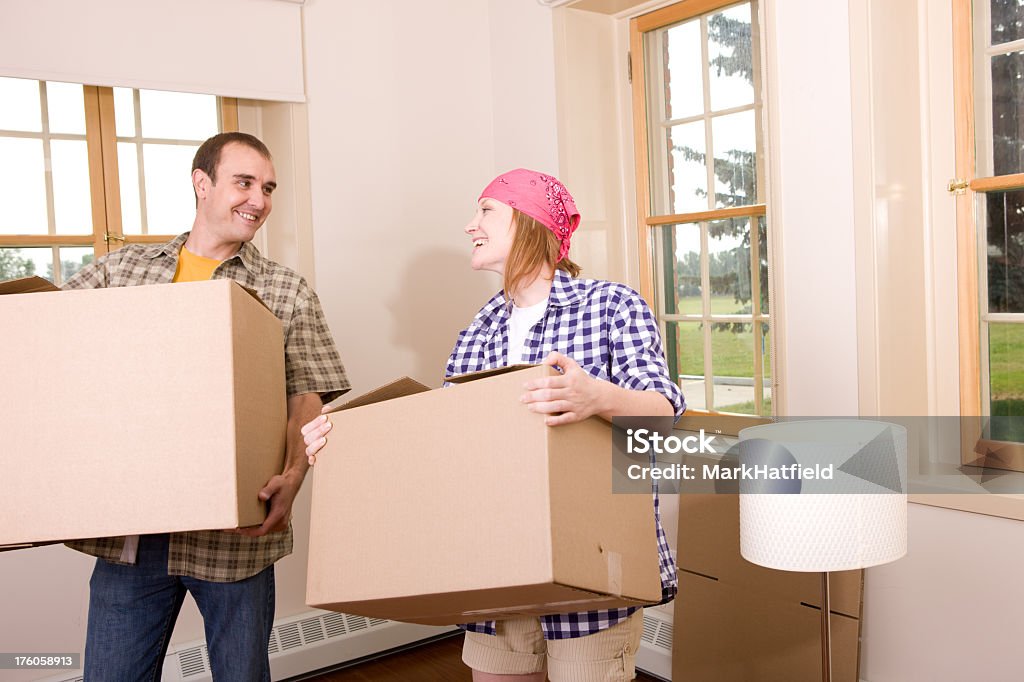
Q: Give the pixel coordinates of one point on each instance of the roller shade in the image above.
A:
(233, 48)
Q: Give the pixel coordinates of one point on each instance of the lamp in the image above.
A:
(845, 508)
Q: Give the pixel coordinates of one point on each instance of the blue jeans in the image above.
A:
(132, 610)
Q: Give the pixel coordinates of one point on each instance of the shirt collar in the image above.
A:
(248, 255)
(565, 290)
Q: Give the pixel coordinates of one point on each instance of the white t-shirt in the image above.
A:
(519, 325)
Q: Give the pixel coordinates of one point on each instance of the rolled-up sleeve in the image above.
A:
(637, 357)
(312, 363)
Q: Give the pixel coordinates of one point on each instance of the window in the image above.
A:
(701, 199)
(84, 169)
(989, 90)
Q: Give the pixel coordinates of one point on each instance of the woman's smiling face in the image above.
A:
(492, 232)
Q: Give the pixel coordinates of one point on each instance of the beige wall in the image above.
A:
(860, 150)
(413, 108)
(941, 613)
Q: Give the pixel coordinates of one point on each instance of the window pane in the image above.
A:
(22, 186)
(72, 202)
(178, 115)
(65, 105)
(735, 144)
(170, 202)
(1004, 229)
(21, 108)
(687, 353)
(1007, 119)
(124, 112)
(128, 178)
(729, 266)
(730, 58)
(688, 178)
(72, 259)
(762, 250)
(732, 353)
(682, 257)
(683, 83)
(15, 263)
(1006, 370)
(1007, 20)
(766, 369)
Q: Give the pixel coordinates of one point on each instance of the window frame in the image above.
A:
(648, 223)
(969, 189)
(105, 197)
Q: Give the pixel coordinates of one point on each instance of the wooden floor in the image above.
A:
(438, 661)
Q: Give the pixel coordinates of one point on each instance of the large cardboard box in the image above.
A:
(137, 409)
(459, 505)
(736, 621)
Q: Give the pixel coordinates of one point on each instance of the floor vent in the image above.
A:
(192, 662)
(304, 643)
(298, 645)
(655, 655)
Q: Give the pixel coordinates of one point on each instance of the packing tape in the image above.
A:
(614, 573)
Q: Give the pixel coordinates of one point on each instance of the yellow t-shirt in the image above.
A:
(193, 268)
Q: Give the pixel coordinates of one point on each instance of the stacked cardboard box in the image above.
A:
(736, 621)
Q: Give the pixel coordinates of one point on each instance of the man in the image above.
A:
(138, 584)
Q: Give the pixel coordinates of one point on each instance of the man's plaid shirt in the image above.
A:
(312, 366)
(609, 330)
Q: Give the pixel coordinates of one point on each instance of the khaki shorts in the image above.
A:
(519, 648)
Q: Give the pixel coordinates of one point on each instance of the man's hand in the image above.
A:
(280, 491)
(569, 397)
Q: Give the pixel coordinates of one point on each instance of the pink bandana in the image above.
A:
(542, 197)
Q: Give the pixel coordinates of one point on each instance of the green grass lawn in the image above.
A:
(734, 356)
(733, 353)
(1006, 365)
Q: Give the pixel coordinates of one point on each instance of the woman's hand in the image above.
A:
(315, 436)
(574, 395)
(569, 397)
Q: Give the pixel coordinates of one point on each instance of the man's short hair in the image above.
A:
(208, 155)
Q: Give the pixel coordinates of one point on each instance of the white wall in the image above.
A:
(413, 108)
(942, 613)
(861, 148)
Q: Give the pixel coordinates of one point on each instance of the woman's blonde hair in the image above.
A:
(533, 247)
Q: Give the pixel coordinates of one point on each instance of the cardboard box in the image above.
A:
(460, 505)
(137, 409)
(735, 620)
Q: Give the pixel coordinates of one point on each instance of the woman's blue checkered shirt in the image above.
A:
(609, 330)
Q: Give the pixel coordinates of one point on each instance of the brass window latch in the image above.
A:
(107, 237)
(957, 186)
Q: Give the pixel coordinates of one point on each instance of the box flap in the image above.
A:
(252, 292)
(27, 285)
(484, 373)
(395, 389)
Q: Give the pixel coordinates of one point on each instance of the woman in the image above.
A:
(605, 342)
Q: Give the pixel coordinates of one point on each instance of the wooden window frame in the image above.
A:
(976, 450)
(105, 196)
(727, 423)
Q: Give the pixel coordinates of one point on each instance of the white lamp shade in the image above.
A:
(816, 530)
